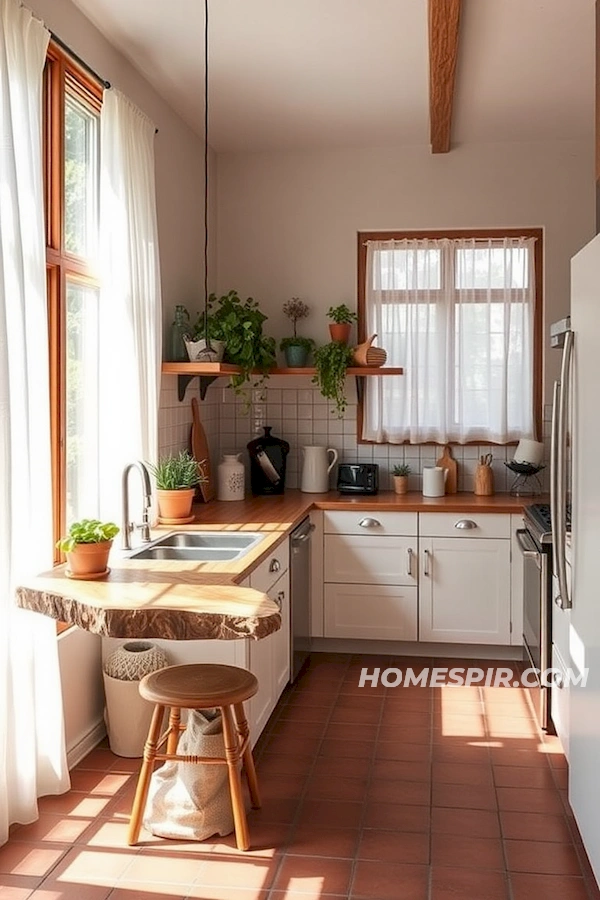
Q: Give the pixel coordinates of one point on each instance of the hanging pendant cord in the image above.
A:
(206, 337)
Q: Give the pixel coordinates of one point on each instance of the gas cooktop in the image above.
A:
(539, 521)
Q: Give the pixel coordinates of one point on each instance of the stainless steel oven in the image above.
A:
(535, 542)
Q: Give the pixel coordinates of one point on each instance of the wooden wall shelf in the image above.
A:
(207, 372)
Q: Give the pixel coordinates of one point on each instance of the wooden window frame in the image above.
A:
(62, 76)
(538, 314)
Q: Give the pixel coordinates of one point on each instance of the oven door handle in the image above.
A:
(528, 548)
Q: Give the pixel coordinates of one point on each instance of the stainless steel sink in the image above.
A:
(199, 546)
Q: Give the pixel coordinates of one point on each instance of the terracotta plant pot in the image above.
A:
(340, 332)
(88, 559)
(175, 504)
(400, 484)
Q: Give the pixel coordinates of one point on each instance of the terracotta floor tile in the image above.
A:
(394, 881)
(529, 800)
(283, 811)
(286, 744)
(316, 894)
(359, 748)
(397, 816)
(451, 883)
(99, 782)
(409, 792)
(463, 752)
(547, 887)
(307, 840)
(356, 715)
(478, 796)
(74, 804)
(526, 826)
(282, 787)
(391, 846)
(468, 852)
(96, 866)
(237, 873)
(525, 776)
(309, 874)
(346, 767)
(344, 731)
(455, 773)
(327, 788)
(302, 731)
(99, 758)
(400, 770)
(304, 714)
(17, 887)
(331, 813)
(30, 859)
(142, 890)
(54, 828)
(404, 734)
(275, 764)
(468, 822)
(541, 857)
(56, 890)
(506, 756)
(391, 750)
(217, 892)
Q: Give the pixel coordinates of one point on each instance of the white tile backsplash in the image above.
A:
(301, 415)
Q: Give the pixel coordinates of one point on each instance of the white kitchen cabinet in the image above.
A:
(376, 612)
(370, 559)
(269, 660)
(464, 589)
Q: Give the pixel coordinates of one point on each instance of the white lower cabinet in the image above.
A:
(269, 660)
(464, 590)
(376, 612)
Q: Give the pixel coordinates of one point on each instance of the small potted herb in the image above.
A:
(176, 478)
(401, 473)
(331, 362)
(341, 322)
(296, 349)
(87, 546)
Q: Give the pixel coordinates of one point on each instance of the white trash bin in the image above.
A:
(127, 714)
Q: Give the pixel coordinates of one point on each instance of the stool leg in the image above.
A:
(232, 755)
(173, 739)
(141, 791)
(244, 731)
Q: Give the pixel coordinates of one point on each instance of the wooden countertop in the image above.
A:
(190, 600)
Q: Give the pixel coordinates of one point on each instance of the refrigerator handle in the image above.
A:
(563, 599)
(554, 470)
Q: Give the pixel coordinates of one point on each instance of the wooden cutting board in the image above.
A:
(200, 452)
(447, 462)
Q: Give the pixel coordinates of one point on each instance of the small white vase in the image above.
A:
(230, 478)
(197, 351)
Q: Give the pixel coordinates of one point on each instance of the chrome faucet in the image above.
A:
(144, 526)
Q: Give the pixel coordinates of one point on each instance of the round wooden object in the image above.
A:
(484, 481)
(366, 355)
(199, 686)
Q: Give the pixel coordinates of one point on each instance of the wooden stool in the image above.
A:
(202, 686)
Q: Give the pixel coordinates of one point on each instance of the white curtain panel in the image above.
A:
(130, 318)
(32, 753)
(458, 316)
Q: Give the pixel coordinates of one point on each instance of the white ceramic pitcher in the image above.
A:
(316, 466)
(434, 481)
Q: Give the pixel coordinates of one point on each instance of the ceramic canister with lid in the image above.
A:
(230, 478)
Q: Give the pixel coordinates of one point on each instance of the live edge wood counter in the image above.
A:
(197, 601)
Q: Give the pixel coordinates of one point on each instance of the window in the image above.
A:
(72, 153)
(462, 313)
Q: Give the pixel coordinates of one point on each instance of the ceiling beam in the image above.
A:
(444, 16)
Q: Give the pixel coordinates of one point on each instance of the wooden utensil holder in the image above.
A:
(484, 481)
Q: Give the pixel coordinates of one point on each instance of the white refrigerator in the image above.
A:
(584, 632)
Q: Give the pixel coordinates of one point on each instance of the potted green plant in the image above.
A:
(400, 474)
(297, 349)
(206, 325)
(87, 546)
(331, 362)
(342, 318)
(240, 324)
(176, 477)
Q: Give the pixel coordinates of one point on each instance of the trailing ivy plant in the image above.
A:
(331, 362)
(240, 324)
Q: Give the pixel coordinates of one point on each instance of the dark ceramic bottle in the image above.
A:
(268, 455)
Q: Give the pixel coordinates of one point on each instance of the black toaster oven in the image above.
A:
(358, 478)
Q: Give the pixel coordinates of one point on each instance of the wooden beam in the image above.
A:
(444, 16)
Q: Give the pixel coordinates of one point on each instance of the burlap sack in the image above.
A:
(191, 801)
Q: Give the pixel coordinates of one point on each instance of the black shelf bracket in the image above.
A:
(184, 380)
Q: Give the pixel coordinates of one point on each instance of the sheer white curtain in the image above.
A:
(458, 316)
(130, 302)
(32, 755)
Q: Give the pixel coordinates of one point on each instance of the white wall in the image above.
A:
(287, 222)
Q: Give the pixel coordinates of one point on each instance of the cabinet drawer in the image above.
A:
(342, 522)
(381, 613)
(370, 559)
(484, 525)
(264, 576)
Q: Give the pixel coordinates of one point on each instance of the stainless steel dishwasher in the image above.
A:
(300, 604)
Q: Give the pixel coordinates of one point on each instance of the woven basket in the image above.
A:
(131, 661)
